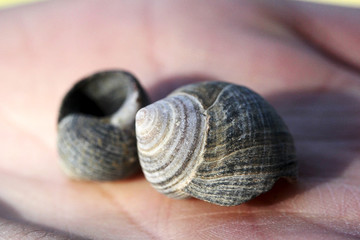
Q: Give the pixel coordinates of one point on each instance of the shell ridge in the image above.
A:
(153, 144)
(192, 115)
(175, 146)
(197, 100)
(224, 176)
(187, 162)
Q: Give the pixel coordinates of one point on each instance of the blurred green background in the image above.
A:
(352, 3)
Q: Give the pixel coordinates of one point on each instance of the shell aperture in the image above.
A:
(96, 129)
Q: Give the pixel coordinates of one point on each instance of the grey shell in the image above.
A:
(214, 141)
(96, 127)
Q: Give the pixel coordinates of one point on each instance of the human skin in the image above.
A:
(303, 58)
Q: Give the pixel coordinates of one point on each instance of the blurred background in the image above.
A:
(11, 3)
(351, 3)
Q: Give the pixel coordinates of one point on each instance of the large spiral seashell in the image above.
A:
(96, 127)
(214, 141)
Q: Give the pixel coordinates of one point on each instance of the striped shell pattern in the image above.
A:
(214, 141)
(96, 127)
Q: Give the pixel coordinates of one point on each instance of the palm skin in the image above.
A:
(304, 59)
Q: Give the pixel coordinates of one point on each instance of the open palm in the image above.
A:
(304, 59)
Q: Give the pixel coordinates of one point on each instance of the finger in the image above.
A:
(332, 30)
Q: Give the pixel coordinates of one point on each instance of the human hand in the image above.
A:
(303, 59)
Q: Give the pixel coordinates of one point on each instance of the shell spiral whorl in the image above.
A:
(215, 141)
(96, 127)
(171, 123)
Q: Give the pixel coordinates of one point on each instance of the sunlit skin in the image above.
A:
(303, 58)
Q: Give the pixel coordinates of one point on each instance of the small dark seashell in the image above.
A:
(96, 127)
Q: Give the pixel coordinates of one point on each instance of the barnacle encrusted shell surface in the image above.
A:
(214, 141)
(96, 127)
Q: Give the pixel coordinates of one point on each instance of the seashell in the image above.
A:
(214, 141)
(96, 127)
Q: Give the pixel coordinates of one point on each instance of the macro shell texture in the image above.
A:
(214, 141)
(96, 127)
